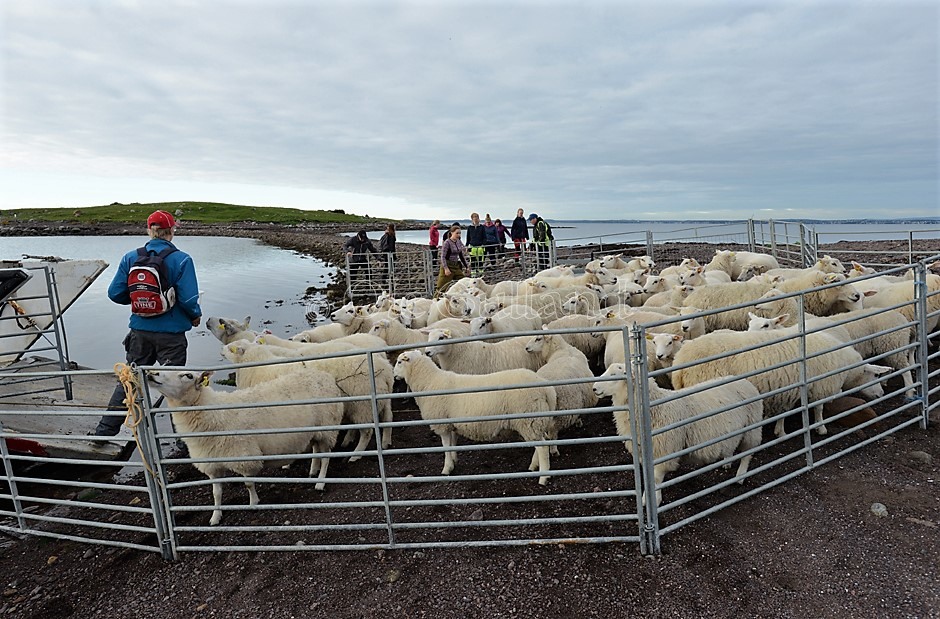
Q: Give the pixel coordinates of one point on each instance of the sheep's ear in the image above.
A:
(649, 337)
(831, 278)
(877, 370)
(204, 379)
(870, 293)
(247, 320)
(589, 270)
(359, 311)
(677, 338)
(447, 332)
(610, 314)
(752, 315)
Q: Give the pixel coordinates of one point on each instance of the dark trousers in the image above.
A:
(541, 252)
(142, 348)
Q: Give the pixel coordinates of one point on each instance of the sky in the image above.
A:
(574, 110)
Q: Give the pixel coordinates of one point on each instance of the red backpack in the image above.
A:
(148, 284)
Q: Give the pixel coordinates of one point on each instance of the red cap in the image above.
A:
(161, 219)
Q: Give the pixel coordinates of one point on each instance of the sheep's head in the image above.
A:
(828, 264)
(604, 277)
(345, 314)
(481, 325)
(759, 323)
(405, 361)
(183, 386)
(224, 329)
(235, 351)
(665, 345)
(866, 374)
(603, 388)
(437, 335)
(537, 343)
(380, 327)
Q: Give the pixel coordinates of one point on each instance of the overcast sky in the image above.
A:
(576, 110)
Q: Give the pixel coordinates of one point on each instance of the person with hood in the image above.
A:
(357, 250)
(160, 337)
(501, 231)
(519, 233)
(491, 240)
(476, 240)
(542, 238)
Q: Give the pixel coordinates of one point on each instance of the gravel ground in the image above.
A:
(812, 547)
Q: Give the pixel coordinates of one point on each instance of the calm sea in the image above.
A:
(583, 232)
(237, 277)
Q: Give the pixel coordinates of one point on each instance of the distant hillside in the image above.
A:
(204, 212)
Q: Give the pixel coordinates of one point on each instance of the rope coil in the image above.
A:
(135, 413)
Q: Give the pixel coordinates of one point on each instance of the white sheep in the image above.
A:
(481, 401)
(862, 325)
(731, 423)
(320, 334)
(350, 372)
(826, 264)
(358, 340)
(677, 269)
(744, 259)
(591, 346)
(188, 389)
(396, 334)
(581, 303)
(726, 295)
(672, 297)
(479, 357)
(229, 330)
(903, 292)
(453, 306)
(700, 277)
(723, 261)
(843, 365)
(561, 270)
(514, 319)
(414, 312)
(509, 287)
(561, 361)
(590, 276)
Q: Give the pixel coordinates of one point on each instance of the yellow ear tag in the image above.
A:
(261, 340)
(221, 327)
(205, 380)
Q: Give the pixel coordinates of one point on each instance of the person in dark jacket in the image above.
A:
(519, 232)
(491, 239)
(157, 339)
(476, 240)
(357, 250)
(501, 232)
(387, 249)
(542, 237)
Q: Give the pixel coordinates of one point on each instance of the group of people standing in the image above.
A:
(486, 242)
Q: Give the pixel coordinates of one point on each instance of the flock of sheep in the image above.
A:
(707, 326)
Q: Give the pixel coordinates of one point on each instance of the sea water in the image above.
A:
(237, 278)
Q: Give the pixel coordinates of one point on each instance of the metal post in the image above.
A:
(773, 239)
(649, 244)
(8, 470)
(642, 428)
(750, 235)
(921, 353)
(155, 477)
(349, 283)
(804, 387)
(58, 326)
(378, 448)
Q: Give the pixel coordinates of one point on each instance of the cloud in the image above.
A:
(588, 110)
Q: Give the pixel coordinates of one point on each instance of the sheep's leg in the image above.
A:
(818, 411)
(742, 468)
(315, 463)
(778, 428)
(544, 462)
(449, 457)
(453, 442)
(252, 493)
(534, 463)
(347, 438)
(659, 474)
(909, 378)
(365, 435)
(387, 432)
(324, 465)
(217, 502)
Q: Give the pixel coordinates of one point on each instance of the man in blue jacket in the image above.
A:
(157, 339)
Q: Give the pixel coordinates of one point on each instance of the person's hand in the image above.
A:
(195, 321)
(446, 271)
(349, 253)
